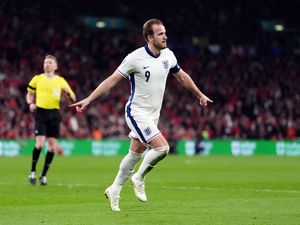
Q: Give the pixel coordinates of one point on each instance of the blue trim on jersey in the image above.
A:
(128, 109)
(175, 69)
(150, 53)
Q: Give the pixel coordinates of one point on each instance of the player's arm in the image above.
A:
(103, 87)
(70, 95)
(68, 92)
(31, 92)
(186, 81)
(30, 98)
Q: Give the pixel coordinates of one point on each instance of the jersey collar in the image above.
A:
(49, 77)
(150, 53)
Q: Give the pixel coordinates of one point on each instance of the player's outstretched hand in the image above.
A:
(81, 105)
(203, 100)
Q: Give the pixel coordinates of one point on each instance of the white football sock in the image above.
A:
(125, 170)
(151, 158)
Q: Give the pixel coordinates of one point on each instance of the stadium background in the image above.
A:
(234, 52)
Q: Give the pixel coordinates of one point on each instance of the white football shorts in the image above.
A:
(143, 129)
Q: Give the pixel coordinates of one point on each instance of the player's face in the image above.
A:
(159, 38)
(50, 65)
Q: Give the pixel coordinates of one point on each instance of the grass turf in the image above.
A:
(260, 190)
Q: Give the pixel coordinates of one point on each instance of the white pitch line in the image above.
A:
(230, 189)
(172, 187)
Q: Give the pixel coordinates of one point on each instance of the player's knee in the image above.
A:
(164, 150)
(167, 149)
(52, 144)
(160, 153)
(39, 145)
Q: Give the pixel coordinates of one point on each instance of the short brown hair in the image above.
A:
(147, 27)
(51, 57)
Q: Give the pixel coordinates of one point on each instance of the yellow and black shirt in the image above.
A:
(48, 90)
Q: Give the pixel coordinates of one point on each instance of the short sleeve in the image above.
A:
(32, 84)
(65, 84)
(174, 65)
(127, 66)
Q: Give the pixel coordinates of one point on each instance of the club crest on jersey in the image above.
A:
(165, 64)
(147, 131)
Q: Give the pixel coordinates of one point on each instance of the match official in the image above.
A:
(43, 97)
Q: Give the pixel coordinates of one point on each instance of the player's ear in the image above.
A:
(150, 38)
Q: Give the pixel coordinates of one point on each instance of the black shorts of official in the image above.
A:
(47, 122)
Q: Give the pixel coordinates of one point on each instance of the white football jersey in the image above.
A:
(148, 76)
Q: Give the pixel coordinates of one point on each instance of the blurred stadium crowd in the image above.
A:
(252, 75)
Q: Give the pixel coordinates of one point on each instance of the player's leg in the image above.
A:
(148, 133)
(40, 136)
(52, 133)
(39, 143)
(128, 163)
(48, 159)
(126, 168)
(159, 150)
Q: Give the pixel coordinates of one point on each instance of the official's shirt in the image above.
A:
(148, 75)
(48, 90)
